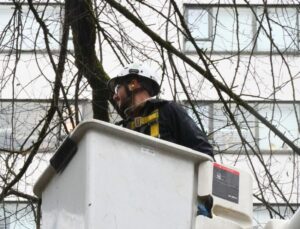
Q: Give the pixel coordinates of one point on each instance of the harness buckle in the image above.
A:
(137, 122)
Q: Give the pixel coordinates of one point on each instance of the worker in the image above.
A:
(133, 91)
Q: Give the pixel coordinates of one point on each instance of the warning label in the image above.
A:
(226, 183)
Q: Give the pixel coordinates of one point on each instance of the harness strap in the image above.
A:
(154, 130)
(151, 120)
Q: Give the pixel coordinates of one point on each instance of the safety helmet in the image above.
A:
(141, 72)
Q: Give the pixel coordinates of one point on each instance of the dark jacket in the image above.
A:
(175, 125)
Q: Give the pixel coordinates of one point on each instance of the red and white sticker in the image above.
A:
(226, 183)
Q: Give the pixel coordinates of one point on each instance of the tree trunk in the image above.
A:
(82, 21)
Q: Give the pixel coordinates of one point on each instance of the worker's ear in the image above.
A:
(133, 85)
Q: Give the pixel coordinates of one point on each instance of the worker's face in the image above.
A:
(121, 98)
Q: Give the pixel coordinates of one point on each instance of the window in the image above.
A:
(196, 17)
(20, 30)
(227, 28)
(4, 223)
(203, 111)
(16, 214)
(18, 121)
(283, 117)
(225, 137)
(282, 27)
(225, 134)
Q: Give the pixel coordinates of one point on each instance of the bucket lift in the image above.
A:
(106, 176)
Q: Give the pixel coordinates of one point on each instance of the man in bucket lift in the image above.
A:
(133, 90)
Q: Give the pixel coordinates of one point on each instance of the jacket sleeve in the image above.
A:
(184, 130)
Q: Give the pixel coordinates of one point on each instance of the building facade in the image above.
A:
(250, 47)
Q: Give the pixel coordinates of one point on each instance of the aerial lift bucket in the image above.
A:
(105, 176)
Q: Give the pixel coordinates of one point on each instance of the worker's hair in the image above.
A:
(145, 83)
(147, 86)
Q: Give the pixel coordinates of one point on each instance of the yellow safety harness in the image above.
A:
(151, 120)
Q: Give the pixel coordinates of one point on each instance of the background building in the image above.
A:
(249, 47)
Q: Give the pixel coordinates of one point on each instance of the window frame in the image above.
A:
(254, 25)
(256, 128)
(35, 49)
